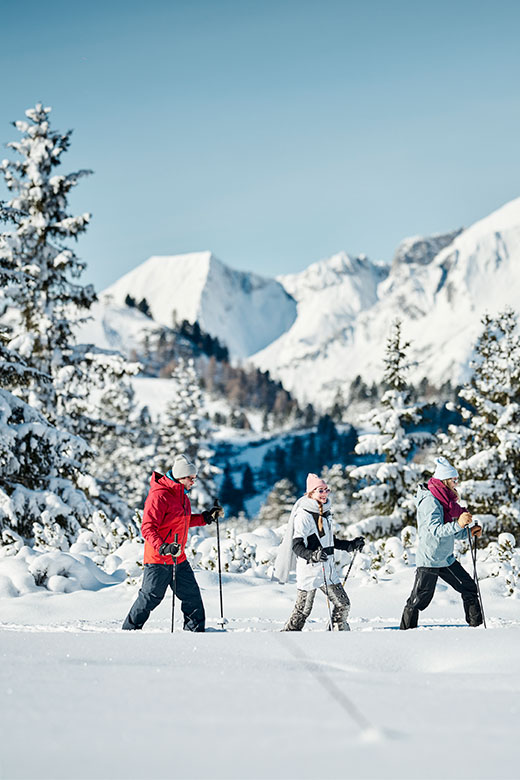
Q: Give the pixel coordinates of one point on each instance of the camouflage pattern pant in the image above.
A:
(305, 600)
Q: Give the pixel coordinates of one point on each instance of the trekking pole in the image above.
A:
(174, 585)
(349, 568)
(327, 595)
(222, 620)
(475, 575)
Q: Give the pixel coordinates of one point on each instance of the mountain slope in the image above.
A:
(117, 327)
(245, 311)
(341, 329)
(319, 329)
(330, 296)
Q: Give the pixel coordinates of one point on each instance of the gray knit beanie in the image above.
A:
(183, 468)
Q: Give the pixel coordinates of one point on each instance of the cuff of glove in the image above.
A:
(212, 515)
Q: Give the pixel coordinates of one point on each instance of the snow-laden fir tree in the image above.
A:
(184, 431)
(230, 496)
(277, 507)
(386, 485)
(41, 304)
(501, 560)
(123, 451)
(38, 500)
(486, 450)
(46, 302)
(341, 486)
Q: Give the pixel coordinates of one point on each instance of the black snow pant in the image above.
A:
(424, 588)
(304, 603)
(156, 578)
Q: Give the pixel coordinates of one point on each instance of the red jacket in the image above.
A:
(167, 511)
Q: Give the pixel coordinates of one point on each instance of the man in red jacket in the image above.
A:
(167, 514)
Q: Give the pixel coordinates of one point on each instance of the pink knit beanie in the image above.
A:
(313, 482)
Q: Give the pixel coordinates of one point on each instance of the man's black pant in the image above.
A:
(156, 578)
(424, 588)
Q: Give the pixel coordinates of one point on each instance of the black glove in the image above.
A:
(170, 549)
(319, 555)
(210, 515)
(358, 543)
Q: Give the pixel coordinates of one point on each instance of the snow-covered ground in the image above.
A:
(82, 699)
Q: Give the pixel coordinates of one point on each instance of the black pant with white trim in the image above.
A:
(424, 588)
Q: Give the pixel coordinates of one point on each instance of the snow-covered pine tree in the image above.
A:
(48, 304)
(123, 448)
(277, 507)
(486, 450)
(386, 486)
(340, 484)
(182, 432)
(42, 304)
(38, 500)
(230, 496)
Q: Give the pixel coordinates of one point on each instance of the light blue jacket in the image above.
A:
(436, 538)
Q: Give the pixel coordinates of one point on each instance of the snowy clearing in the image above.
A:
(84, 700)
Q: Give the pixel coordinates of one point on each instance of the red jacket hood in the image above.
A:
(162, 482)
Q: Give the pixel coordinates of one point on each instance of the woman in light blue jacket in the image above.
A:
(441, 520)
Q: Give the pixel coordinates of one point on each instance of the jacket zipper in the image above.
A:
(186, 519)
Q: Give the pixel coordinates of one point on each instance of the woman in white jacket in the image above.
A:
(313, 543)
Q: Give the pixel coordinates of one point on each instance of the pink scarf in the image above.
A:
(448, 499)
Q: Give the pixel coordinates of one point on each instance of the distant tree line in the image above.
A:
(203, 341)
(244, 387)
(360, 390)
(143, 305)
(186, 340)
(251, 388)
(292, 459)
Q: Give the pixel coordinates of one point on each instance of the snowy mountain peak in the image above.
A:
(422, 249)
(440, 286)
(244, 310)
(480, 270)
(330, 295)
(319, 329)
(331, 271)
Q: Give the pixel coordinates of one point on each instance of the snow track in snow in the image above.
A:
(317, 669)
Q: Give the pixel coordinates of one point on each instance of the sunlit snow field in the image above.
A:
(82, 699)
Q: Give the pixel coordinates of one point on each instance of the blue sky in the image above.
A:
(272, 133)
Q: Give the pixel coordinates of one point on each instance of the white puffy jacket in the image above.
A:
(311, 575)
